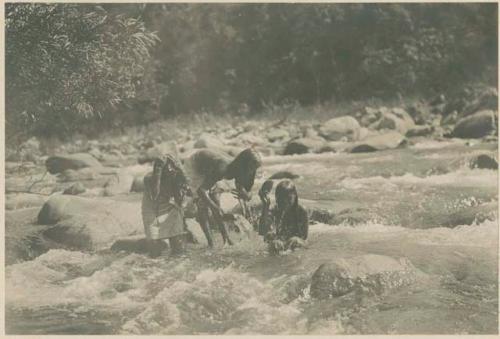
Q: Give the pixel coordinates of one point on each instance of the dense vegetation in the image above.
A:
(70, 65)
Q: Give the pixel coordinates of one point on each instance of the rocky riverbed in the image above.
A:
(404, 232)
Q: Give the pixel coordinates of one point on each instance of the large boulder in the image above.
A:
(388, 140)
(89, 224)
(304, 145)
(366, 273)
(60, 163)
(483, 99)
(338, 128)
(478, 125)
(395, 119)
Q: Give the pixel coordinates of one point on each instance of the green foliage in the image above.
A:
(68, 64)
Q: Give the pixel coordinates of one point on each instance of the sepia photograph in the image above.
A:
(251, 168)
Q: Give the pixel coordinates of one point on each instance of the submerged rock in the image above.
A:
(368, 273)
(478, 125)
(337, 128)
(484, 161)
(60, 163)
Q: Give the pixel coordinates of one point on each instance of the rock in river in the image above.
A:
(89, 224)
(478, 125)
(370, 272)
(484, 161)
(304, 145)
(60, 163)
(337, 128)
(395, 119)
(379, 142)
(23, 200)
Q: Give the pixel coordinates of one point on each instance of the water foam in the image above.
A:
(223, 301)
(462, 177)
(483, 234)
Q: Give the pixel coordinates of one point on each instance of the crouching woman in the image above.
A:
(286, 226)
(164, 191)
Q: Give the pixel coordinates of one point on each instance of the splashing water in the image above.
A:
(243, 290)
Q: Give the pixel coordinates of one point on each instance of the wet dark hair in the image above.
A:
(168, 175)
(238, 168)
(284, 189)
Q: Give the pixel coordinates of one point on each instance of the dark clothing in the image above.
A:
(295, 223)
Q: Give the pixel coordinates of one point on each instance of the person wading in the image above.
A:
(286, 225)
(205, 168)
(164, 191)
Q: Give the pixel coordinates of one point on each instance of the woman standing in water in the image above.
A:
(162, 215)
(205, 168)
(285, 226)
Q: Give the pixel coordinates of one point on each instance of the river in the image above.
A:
(414, 196)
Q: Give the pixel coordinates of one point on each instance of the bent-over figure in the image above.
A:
(205, 168)
(286, 225)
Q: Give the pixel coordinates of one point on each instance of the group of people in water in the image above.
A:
(283, 227)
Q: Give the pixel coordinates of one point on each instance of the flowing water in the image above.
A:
(411, 194)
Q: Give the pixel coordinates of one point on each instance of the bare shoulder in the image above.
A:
(211, 160)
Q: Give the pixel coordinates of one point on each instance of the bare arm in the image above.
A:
(203, 194)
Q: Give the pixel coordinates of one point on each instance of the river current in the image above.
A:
(415, 197)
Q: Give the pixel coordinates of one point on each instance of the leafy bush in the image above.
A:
(70, 65)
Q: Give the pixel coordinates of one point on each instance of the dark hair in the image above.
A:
(283, 189)
(243, 160)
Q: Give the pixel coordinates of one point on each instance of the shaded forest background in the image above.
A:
(87, 68)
